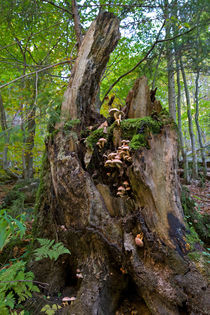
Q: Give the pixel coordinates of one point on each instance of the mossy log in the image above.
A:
(79, 205)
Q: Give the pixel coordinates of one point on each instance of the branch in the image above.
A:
(77, 24)
(15, 43)
(57, 6)
(145, 57)
(35, 72)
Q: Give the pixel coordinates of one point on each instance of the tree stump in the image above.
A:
(129, 247)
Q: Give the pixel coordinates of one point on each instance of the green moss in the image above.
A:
(138, 141)
(137, 130)
(93, 138)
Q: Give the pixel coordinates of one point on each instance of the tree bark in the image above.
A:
(6, 133)
(198, 125)
(93, 55)
(78, 204)
(170, 62)
(190, 123)
(5, 129)
(181, 140)
(77, 25)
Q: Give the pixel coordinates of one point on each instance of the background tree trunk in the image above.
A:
(198, 125)
(78, 204)
(191, 132)
(170, 63)
(181, 140)
(5, 129)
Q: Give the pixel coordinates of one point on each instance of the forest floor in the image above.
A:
(201, 196)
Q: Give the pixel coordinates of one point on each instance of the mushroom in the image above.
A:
(120, 191)
(121, 153)
(117, 114)
(108, 163)
(111, 155)
(113, 111)
(98, 144)
(119, 117)
(125, 142)
(117, 162)
(126, 149)
(125, 184)
(139, 240)
(67, 300)
(102, 141)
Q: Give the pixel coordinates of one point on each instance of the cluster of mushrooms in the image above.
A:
(115, 160)
(122, 190)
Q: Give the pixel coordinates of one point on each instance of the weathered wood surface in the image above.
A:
(98, 43)
(81, 209)
(140, 102)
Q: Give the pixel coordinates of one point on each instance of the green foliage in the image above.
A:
(16, 285)
(50, 310)
(10, 228)
(48, 250)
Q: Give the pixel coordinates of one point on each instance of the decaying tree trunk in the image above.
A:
(131, 246)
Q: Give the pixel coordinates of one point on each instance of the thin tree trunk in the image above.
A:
(198, 125)
(156, 68)
(5, 129)
(6, 133)
(170, 66)
(190, 123)
(29, 140)
(181, 140)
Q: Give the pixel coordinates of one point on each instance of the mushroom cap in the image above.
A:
(121, 188)
(120, 193)
(117, 162)
(113, 110)
(102, 140)
(126, 183)
(125, 141)
(121, 153)
(68, 299)
(111, 155)
(118, 113)
(139, 242)
(108, 163)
